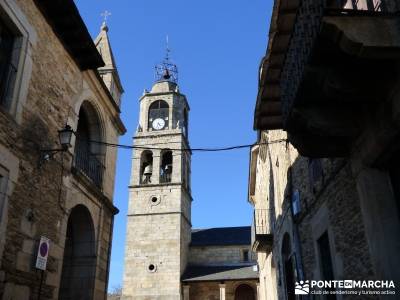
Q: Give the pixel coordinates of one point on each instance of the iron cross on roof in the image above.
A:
(105, 15)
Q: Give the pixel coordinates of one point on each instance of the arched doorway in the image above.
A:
(79, 263)
(244, 292)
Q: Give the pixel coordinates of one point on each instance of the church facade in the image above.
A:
(164, 257)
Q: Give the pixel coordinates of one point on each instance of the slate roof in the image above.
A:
(219, 273)
(224, 236)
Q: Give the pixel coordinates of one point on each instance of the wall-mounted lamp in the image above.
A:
(66, 136)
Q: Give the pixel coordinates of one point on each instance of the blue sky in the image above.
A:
(217, 46)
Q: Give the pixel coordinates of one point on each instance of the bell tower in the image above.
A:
(159, 214)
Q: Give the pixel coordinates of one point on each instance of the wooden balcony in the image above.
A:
(261, 233)
(327, 67)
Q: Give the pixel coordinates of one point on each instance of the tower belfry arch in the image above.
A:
(159, 219)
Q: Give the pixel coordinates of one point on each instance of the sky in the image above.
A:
(217, 46)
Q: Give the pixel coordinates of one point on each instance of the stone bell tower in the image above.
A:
(159, 214)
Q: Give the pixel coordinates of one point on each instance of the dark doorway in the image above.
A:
(326, 261)
(244, 292)
(394, 173)
(288, 270)
(79, 264)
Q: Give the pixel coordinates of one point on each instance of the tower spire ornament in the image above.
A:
(105, 16)
(166, 70)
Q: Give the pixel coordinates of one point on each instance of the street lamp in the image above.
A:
(65, 137)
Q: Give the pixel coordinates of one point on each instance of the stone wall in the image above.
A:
(329, 202)
(39, 199)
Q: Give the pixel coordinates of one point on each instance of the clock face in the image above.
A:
(158, 124)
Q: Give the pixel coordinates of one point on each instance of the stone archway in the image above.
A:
(79, 263)
(244, 292)
(89, 153)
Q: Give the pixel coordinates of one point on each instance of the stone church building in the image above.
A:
(164, 257)
(53, 79)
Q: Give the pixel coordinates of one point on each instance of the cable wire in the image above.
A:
(218, 149)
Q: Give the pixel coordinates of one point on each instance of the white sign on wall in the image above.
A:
(43, 253)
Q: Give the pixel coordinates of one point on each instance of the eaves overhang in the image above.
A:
(268, 110)
(64, 18)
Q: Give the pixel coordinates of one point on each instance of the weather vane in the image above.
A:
(168, 50)
(167, 70)
(105, 15)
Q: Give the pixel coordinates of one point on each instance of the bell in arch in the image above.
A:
(148, 170)
(168, 169)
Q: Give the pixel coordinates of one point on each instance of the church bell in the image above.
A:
(148, 170)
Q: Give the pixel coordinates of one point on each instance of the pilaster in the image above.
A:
(186, 292)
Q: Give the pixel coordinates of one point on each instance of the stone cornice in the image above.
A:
(157, 185)
(94, 190)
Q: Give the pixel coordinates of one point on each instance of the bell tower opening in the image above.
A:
(146, 167)
(166, 166)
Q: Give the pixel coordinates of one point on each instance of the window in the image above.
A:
(325, 259)
(158, 110)
(296, 202)
(315, 172)
(17, 39)
(373, 5)
(245, 255)
(8, 66)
